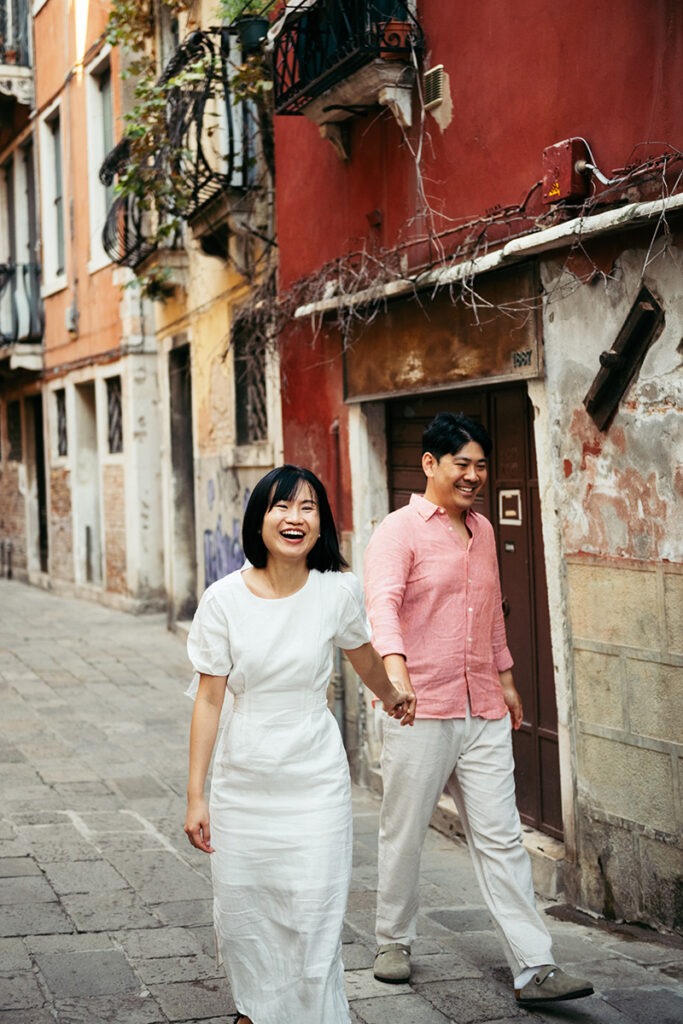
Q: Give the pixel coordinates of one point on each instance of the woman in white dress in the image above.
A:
(278, 824)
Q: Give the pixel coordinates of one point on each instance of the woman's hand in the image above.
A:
(197, 827)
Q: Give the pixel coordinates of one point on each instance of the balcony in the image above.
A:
(338, 58)
(207, 150)
(16, 74)
(21, 317)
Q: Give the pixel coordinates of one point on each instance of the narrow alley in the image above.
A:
(105, 909)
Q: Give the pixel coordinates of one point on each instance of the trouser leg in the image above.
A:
(415, 765)
(483, 788)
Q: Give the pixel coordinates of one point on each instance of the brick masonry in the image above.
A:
(114, 500)
(13, 515)
(61, 525)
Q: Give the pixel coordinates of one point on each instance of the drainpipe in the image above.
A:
(337, 677)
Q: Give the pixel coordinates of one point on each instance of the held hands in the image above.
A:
(197, 827)
(403, 705)
(404, 708)
(511, 698)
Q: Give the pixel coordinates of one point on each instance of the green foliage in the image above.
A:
(231, 9)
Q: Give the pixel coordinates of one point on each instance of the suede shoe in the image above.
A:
(392, 963)
(551, 984)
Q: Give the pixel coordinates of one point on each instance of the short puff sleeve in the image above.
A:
(353, 628)
(208, 642)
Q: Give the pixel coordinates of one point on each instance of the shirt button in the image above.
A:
(441, 511)
(469, 639)
(450, 527)
(470, 609)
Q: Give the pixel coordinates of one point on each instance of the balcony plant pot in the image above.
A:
(395, 39)
(251, 31)
(11, 56)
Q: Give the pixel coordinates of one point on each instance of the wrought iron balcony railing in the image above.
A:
(21, 307)
(207, 150)
(327, 42)
(15, 32)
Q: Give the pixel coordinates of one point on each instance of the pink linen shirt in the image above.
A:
(436, 601)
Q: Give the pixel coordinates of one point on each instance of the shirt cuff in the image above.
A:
(392, 644)
(503, 660)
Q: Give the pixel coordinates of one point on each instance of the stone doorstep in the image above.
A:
(546, 854)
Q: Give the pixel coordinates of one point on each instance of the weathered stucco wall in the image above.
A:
(620, 501)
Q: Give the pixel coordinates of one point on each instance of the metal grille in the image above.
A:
(15, 451)
(114, 423)
(330, 41)
(251, 411)
(60, 399)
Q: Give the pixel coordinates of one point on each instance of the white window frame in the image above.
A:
(98, 207)
(52, 280)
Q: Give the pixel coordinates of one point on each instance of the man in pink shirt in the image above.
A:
(433, 597)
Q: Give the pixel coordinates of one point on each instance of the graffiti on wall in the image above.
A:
(222, 550)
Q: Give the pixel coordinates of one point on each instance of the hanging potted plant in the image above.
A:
(250, 24)
(394, 42)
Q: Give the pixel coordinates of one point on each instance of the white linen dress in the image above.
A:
(280, 802)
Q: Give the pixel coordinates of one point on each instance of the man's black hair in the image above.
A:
(283, 484)
(447, 434)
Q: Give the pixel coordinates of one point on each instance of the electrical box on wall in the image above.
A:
(561, 180)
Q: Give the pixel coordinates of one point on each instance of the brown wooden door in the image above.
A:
(511, 502)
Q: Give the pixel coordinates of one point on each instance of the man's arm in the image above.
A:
(388, 561)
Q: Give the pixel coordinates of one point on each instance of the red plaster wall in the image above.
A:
(312, 408)
(523, 76)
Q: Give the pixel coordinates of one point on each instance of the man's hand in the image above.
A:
(511, 698)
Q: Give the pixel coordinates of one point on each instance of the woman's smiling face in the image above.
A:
(291, 526)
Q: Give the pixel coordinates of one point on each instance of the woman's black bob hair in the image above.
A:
(282, 484)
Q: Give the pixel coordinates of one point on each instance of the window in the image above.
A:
(114, 419)
(54, 242)
(100, 144)
(14, 431)
(58, 199)
(251, 415)
(60, 401)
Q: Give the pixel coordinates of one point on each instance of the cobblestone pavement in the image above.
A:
(105, 911)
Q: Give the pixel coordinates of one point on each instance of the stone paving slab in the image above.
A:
(112, 915)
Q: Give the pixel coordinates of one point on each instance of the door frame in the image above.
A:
(370, 502)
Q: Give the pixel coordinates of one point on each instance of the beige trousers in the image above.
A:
(470, 758)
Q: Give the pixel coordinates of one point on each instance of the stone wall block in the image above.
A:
(61, 524)
(599, 688)
(629, 782)
(13, 516)
(673, 610)
(662, 882)
(609, 879)
(656, 700)
(614, 605)
(114, 501)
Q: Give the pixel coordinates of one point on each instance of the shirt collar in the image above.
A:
(427, 508)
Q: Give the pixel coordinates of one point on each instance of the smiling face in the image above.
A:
(454, 481)
(291, 527)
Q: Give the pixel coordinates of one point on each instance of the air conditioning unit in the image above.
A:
(432, 86)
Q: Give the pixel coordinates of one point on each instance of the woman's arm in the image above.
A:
(397, 695)
(203, 730)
